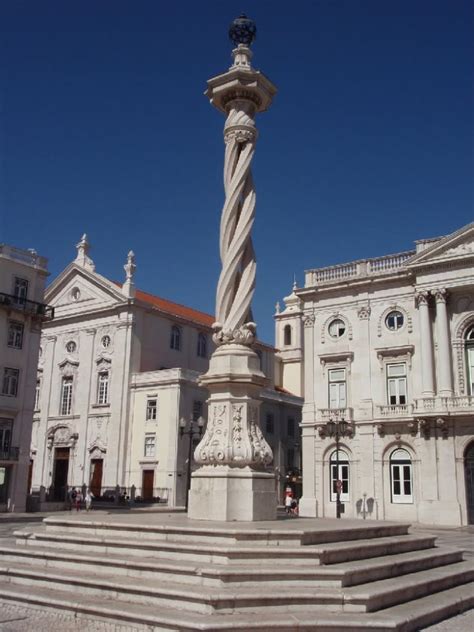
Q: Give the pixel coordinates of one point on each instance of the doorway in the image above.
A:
(147, 484)
(61, 469)
(469, 478)
(95, 481)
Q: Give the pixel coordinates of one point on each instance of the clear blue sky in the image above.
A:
(104, 129)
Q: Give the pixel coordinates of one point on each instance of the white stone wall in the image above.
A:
(433, 290)
(17, 410)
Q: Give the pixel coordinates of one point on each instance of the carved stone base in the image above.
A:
(224, 493)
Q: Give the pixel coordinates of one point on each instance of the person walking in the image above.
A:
(288, 501)
(78, 499)
(88, 499)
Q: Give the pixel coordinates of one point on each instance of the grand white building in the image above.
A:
(22, 311)
(118, 370)
(387, 344)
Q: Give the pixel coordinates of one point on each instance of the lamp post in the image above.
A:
(195, 430)
(337, 429)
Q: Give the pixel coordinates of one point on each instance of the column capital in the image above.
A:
(440, 294)
(422, 297)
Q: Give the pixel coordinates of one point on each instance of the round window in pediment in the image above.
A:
(75, 293)
(337, 328)
(71, 346)
(394, 320)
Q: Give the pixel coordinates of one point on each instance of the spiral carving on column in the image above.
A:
(236, 284)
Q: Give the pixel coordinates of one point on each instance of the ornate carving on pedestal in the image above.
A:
(244, 335)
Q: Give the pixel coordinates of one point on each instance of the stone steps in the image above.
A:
(345, 574)
(208, 599)
(327, 553)
(423, 612)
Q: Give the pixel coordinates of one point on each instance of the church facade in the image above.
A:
(118, 372)
(387, 346)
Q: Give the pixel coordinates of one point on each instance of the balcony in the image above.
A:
(32, 308)
(9, 454)
(456, 405)
(323, 415)
(395, 411)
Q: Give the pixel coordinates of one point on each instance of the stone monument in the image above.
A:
(233, 482)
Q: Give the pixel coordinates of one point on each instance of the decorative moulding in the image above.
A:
(364, 312)
(309, 320)
(337, 358)
(404, 351)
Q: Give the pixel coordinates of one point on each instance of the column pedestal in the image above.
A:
(232, 483)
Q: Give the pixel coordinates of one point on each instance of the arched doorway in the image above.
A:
(469, 477)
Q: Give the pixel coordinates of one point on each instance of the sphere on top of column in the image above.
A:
(243, 30)
(241, 82)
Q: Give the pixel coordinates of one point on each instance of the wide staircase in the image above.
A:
(169, 573)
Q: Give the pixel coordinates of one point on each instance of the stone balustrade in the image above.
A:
(324, 415)
(444, 405)
(361, 268)
(397, 410)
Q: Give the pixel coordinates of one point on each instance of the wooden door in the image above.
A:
(469, 478)
(61, 468)
(95, 481)
(147, 484)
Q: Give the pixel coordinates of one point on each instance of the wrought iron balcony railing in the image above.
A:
(9, 454)
(37, 310)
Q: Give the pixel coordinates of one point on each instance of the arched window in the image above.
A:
(175, 342)
(401, 477)
(202, 345)
(339, 471)
(287, 335)
(470, 358)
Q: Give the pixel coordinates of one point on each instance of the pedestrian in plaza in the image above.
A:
(88, 499)
(78, 499)
(72, 498)
(288, 501)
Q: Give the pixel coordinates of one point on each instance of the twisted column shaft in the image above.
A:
(236, 284)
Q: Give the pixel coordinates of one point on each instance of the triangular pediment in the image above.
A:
(78, 289)
(452, 248)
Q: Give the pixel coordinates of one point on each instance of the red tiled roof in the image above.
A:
(175, 308)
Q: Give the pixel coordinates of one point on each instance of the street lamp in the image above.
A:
(195, 430)
(337, 429)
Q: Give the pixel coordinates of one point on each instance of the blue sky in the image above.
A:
(104, 129)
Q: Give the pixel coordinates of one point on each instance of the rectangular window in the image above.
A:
(291, 427)
(66, 396)
(151, 408)
(5, 435)
(103, 388)
(337, 388)
(20, 289)
(37, 394)
(401, 483)
(396, 384)
(269, 423)
(15, 334)
(290, 458)
(150, 444)
(10, 382)
(197, 409)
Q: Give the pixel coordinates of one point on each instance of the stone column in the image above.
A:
(233, 482)
(427, 371)
(445, 375)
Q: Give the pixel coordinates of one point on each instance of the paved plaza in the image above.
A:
(19, 618)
